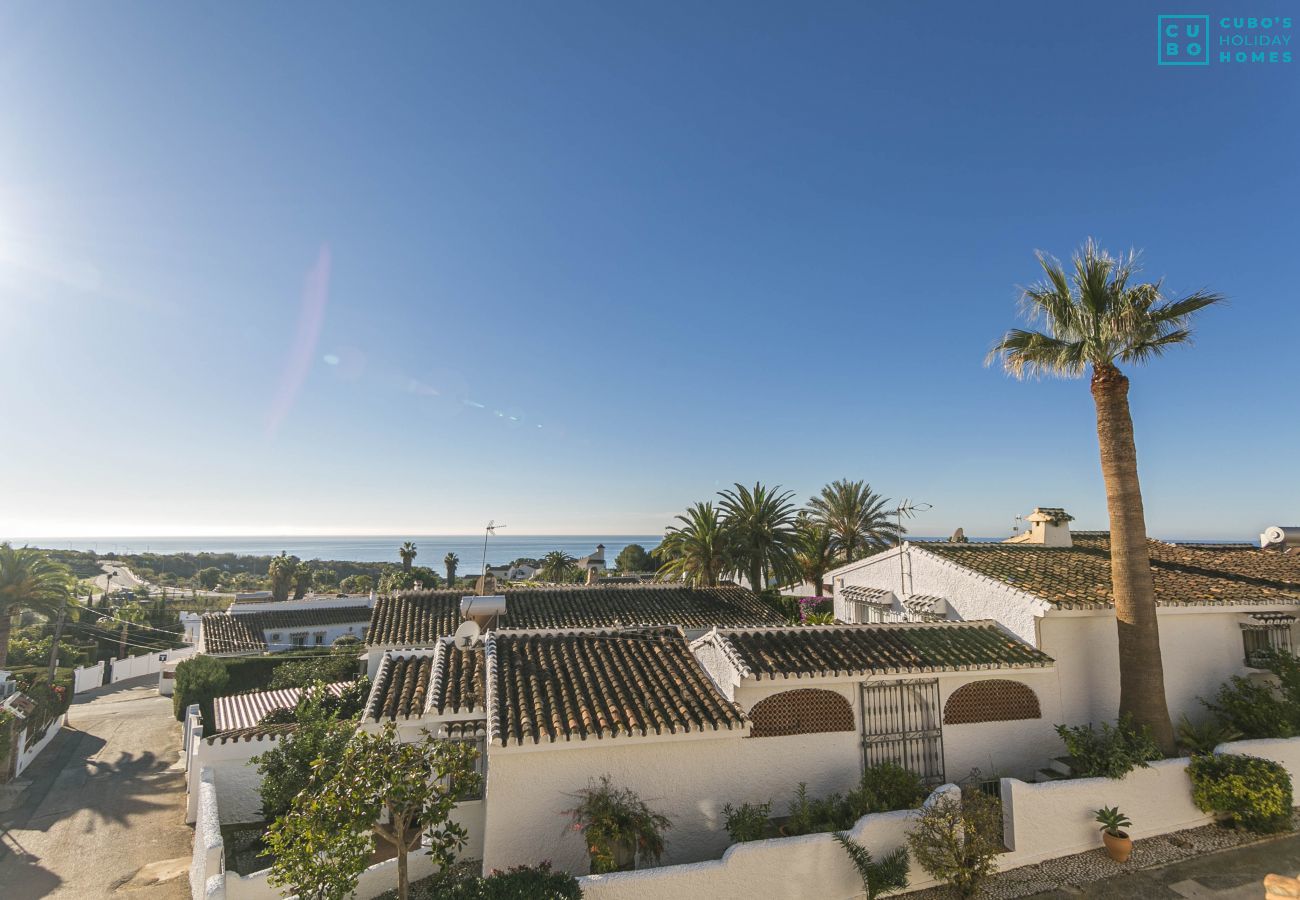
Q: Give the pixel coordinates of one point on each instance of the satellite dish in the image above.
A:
(467, 634)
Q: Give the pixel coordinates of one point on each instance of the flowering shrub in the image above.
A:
(814, 606)
(1248, 791)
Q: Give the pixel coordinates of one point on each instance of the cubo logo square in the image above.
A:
(1183, 40)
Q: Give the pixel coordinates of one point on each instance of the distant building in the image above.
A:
(594, 562)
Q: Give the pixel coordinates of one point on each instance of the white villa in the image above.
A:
(1051, 588)
(256, 628)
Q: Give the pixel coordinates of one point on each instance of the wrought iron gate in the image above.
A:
(902, 722)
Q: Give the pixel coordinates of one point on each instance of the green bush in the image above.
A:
(885, 788)
(1195, 740)
(299, 673)
(1112, 752)
(1248, 791)
(519, 883)
(1255, 710)
(957, 840)
(747, 822)
(199, 679)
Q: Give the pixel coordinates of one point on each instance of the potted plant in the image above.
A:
(1119, 846)
(618, 825)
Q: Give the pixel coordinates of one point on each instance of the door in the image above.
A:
(902, 722)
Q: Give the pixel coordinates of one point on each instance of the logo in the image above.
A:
(1183, 40)
(1186, 40)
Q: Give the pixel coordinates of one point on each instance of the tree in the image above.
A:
(128, 614)
(889, 874)
(958, 840)
(1096, 319)
(286, 768)
(198, 680)
(30, 580)
(557, 566)
(856, 517)
(324, 580)
(634, 558)
(408, 554)
(396, 580)
(357, 584)
(451, 561)
(814, 553)
(209, 578)
(698, 549)
(283, 572)
(380, 785)
(425, 577)
(301, 580)
(325, 668)
(760, 527)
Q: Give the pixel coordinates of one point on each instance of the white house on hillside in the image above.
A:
(1051, 588)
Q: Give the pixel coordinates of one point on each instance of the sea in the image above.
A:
(430, 549)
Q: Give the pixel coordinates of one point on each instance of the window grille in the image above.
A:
(803, 711)
(994, 700)
(1261, 641)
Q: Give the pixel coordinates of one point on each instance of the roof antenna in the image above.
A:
(906, 510)
(489, 531)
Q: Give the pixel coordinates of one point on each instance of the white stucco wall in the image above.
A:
(27, 754)
(85, 678)
(808, 867)
(1016, 748)
(1201, 649)
(207, 865)
(687, 778)
(235, 775)
(970, 595)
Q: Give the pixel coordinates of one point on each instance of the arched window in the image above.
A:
(994, 700)
(805, 711)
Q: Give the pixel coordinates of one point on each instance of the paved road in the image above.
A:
(104, 815)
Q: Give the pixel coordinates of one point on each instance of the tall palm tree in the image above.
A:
(451, 561)
(283, 572)
(129, 614)
(814, 553)
(760, 523)
(408, 554)
(556, 566)
(697, 550)
(29, 579)
(1094, 319)
(857, 518)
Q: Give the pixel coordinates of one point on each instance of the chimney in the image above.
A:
(592, 575)
(1049, 526)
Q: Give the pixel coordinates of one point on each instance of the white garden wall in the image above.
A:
(85, 678)
(808, 867)
(235, 775)
(145, 664)
(27, 753)
(687, 778)
(1016, 748)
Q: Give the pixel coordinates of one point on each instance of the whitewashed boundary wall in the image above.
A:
(808, 867)
(1045, 821)
(145, 664)
(85, 678)
(26, 754)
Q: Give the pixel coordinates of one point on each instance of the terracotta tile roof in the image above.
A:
(246, 631)
(595, 684)
(419, 618)
(445, 679)
(414, 618)
(239, 711)
(855, 650)
(401, 686)
(1184, 574)
(255, 733)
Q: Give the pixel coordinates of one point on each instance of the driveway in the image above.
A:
(104, 813)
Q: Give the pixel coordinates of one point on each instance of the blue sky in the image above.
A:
(344, 268)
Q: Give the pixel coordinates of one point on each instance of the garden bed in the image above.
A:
(1095, 865)
(246, 848)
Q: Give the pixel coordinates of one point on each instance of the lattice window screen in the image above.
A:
(803, 711)
(995, 700)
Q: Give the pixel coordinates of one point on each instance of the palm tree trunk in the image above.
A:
(755, 578)
(6, 625)
(121, 645)
(1141, 673)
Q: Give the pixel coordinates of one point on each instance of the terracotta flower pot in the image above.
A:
(1118, 847)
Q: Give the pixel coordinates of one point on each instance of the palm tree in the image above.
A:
(283, 572)
(408, 554)
(556, 566)
(1094, 320)
(29, 579)
(760, 525)
(814, 553)
(128, 614)
(451, 560)
(857, 518)
(698, 550)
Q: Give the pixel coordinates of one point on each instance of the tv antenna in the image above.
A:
(488, 532)
(906, 510)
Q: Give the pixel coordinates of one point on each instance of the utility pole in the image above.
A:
(54, 647)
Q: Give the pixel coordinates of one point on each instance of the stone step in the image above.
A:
(1050, 775)
(1063, 764)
